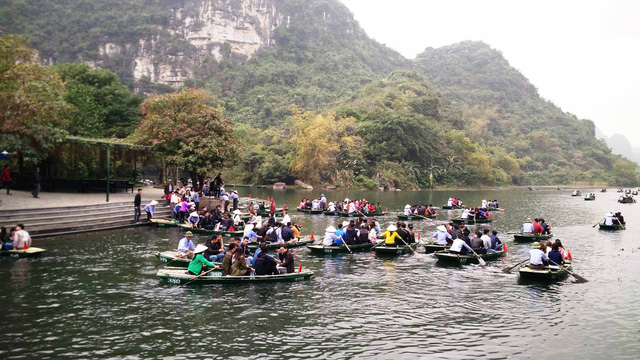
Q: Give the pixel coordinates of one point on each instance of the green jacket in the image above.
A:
(239, 267)
(195, 266)
(226, 263)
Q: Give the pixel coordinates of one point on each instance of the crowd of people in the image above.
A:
(535, 227)
(462, 241)
(543, 254)
(422, 210)
(347, 205)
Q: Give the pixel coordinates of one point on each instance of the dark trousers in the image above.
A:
(197, 205)
(181, 215)
(136, 213)
(36, 190)
(235, 204)
(148, 215)
(8, 185)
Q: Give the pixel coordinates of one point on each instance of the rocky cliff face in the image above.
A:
(206, 30)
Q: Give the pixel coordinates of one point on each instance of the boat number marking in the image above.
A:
(173, 281)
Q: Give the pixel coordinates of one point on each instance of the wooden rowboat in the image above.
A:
(355, 214)
(447, 207)
(551, 273)
(416, 217)
(174, 258)
(446, 256)
(30, 252)
(627, 201)
(531, 238)
(179, 276)
(302, 242)
(310, 211)
(382, 250)
(339, 249)
(331, 213)
(470, 221)
(612, 227)
(186, 227)
(431, 248)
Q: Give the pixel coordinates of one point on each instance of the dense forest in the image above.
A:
(322, 102)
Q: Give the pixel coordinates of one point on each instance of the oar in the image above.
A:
(507, 270)
(203, 274)
(410, 248)
(345, 245)
(598, 223)
(578, 277)
(480, 260)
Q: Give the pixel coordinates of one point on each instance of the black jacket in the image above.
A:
(286, 260)
(265, 265)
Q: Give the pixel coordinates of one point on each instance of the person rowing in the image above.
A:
(459, 247)
(195, 265)
(610, 219)
(442, 236)
(537, 258)
(527, 227)
(390, 237)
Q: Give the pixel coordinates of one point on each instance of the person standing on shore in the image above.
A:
(6, 179)
(234, 197)
(137, 201)
(36, 182)
(217, 184)
(168, 191)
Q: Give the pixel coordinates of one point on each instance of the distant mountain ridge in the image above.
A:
(620, 145)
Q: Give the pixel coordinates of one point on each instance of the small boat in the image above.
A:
(432, 247)
(590, 197)
(470, 221)
(30, 252)
(339, 249)
(620, 190)
(187, 227)
(613, 227)
(382, 250)
(551, 273)
(467, 258)
(179, 276)
(174, 258)
(310, 211)
(355, 214)
(302, 242)
(531, 238)
(603, 190)
(627, 192)
(331, 213)
(447, 207)
(416, 217)
(626, 200)
(634, 192)
(576, 193)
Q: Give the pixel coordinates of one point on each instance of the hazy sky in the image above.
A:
(582, 55)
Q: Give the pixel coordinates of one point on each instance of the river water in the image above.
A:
(96, 295)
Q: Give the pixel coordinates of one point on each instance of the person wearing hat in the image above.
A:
(609, 219)
(185, 246)
(225, 202)
(234, 198)
(527, 227)
(442, 235)
(195, 265)
(194, 218)
(323, 202)
(390, 236)
(331, 207)
(537, 258)
(407, 210)
(150, 208)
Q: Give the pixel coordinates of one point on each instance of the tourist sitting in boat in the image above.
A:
(244, 247)
(479, 214)
(565, 252)
(185, 246)
(195, 265)
(484, 204)
(486, 241)
(496, 244)
(285, 217)
(331, 207)
(362, 235)
(527, 228)
(264, 263)
(240, 265)
(555, 256)
(454, 231)
(237, 219)
(296, 231)
(465, 233)
(249, 234)
(315, 204)
(477, 244)
(21, 239)
(287, 234)
(443, 237)
(391, 237)
(350, 234)
(459, 247)
(271, 221)
(450, 202)
(287, 265)
(340, 231)
(150, 209)
(620, 218)
(407, 210)
(227, 259)
(546, 229)
(351, 207)
(537, 258)
(215, 251)
(411, 233)
(537, 228)
(466, 213)
(494, 204)
(8, 240)
(329, 236)
(404, 233)
(206, 222)
(430, 210)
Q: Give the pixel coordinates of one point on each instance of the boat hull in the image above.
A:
(531, 238)
(333, 250)
(471, 221)
(310, 211)
(612, 227)
(445, 256)
(416, 217)
(299, 243)
(382, 250)
(552, 273)
(29, 253)
(186, 227)
(431, 248)
(179, 276)
(346, 214)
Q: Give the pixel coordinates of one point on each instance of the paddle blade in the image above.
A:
(507, 270)
(482, 262)
(579, 278)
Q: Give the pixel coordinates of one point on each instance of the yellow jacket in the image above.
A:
(390, 237)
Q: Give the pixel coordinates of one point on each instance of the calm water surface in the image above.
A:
(96, 295)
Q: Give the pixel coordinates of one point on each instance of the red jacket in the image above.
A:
(6, 176)
(537, 228)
